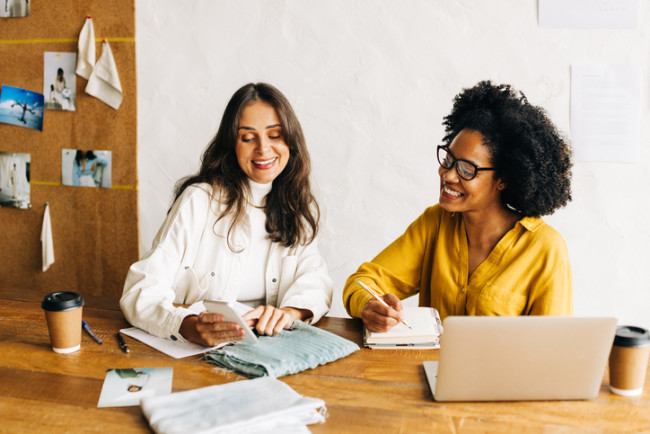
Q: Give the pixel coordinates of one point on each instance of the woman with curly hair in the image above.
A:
(483, 249)
(243, 228)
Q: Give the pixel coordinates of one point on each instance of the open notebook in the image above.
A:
(521, 358)
(423, 334)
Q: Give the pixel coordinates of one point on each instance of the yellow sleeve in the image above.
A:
(555, 297)
(397, 269)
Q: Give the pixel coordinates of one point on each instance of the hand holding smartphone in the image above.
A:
(229, 313)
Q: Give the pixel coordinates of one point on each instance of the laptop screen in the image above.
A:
(522, 358)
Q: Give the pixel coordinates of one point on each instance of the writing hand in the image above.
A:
(379, 318)
(209, 329)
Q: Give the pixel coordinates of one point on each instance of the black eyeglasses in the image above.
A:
(465, 169)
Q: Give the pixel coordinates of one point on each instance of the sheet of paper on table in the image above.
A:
(176, 349)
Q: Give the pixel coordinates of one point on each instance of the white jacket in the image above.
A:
(191, 261)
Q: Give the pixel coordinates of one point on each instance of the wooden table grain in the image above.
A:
(380, 391)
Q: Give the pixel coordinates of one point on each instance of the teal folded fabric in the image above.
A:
(302, 347)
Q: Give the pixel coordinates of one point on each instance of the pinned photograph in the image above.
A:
(59, 80)
(21, 107)
(86, 168)
(14, 8)
(14, 180)
(126, 387)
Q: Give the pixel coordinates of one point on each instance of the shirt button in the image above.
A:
(212, 274)
(462, 290)
(173, 338)
(274, 280)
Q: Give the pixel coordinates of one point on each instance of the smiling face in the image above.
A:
(481, 193)
(261, 151)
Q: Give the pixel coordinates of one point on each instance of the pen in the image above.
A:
(374, 294)
(123, 345)
(86, 327)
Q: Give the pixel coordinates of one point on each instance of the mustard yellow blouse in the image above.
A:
(527, 273)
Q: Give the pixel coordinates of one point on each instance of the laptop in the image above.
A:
(520, 358)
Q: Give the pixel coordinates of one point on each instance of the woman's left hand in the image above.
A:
(269, 320)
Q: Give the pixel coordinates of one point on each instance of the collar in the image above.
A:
(532, 223)
(258, 192)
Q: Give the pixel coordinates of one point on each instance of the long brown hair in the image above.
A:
(292, 213)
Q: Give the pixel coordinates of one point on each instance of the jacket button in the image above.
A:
(274, 280)
(173, 338)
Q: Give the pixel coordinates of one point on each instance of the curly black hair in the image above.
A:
(529, 153)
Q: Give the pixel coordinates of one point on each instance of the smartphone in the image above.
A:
(229, 313)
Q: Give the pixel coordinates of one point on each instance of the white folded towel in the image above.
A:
(104, 82)
(86, 47)
(264, 404)
(46, 239)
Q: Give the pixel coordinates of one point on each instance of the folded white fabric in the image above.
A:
(260, 405)
(104, 82)
(46, 239)
(86, 49)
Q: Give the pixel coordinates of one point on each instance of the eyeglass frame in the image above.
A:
(456, 160)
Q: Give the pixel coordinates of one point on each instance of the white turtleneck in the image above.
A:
(253, 290)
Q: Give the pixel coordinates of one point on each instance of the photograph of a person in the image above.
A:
(14, 180)
(14, 8)
(21, 107)
(59, 80)
(126, 387)
(83, 168)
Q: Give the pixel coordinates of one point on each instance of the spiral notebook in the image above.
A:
(424, 333)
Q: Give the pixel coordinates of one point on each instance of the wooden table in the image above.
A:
(369, 391)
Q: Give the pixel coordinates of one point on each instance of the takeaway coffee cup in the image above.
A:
(628, 361)
(63, 315)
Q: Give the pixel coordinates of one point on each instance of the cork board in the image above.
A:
(95, 230)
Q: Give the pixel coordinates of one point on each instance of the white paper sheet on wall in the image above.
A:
(589, 14)
(606, 112)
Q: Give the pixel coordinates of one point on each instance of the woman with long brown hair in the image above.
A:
(243, 228)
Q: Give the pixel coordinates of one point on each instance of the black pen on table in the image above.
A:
(123, 345)
(86, 327)
(376, 296)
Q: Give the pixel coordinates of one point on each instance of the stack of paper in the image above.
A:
(423, 334)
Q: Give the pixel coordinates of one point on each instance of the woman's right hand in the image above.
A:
(379, 318)
(209, 329)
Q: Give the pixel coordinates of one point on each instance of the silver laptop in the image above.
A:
(523, 358)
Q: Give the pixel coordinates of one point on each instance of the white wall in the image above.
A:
(370, 81)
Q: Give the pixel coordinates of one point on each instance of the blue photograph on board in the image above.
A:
(86, 168)
(21, 107)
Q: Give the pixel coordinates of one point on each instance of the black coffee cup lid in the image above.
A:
(631, 336)
(60, 301)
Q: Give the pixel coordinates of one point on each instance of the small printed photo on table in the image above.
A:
(126, 387)
(14, 180)
(21, 107)
(59, 80)
(14, 8)
(86, 168)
